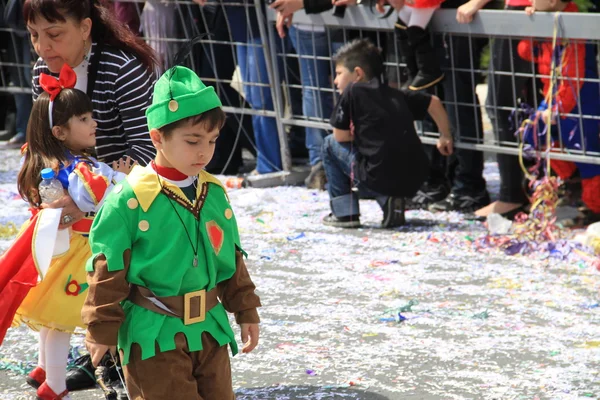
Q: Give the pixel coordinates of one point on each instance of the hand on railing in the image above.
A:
(396, 4)
(339, 3)
(466, 12)
(287, 7)
(530, 10)
(445, 145)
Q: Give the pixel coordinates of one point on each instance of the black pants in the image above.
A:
(505, 93)
(464, 112)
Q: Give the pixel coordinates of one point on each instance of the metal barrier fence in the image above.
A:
(270, 85)
(461, 47)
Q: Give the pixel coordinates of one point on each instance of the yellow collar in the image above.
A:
(146, 186)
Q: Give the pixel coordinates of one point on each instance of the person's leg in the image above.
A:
(38, 376)
(265, 128)
(468, 191)
(338, 159)
(503, 92)
(429, 69)
(56, 354)
(42, 348)
(314, 74)
(167, 375)
(317, 102)
(215, 60)
(212, 370)
(400, 52)
(23, 102)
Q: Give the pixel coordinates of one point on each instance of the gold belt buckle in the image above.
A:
(187, 299)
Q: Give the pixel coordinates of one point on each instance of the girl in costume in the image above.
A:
(38, 287)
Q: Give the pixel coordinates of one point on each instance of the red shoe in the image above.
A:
(36, 377)
(45, 393)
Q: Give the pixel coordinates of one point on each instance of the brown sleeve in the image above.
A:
(237, 294)
(102, 311)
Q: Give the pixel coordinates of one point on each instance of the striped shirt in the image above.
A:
(122, 93)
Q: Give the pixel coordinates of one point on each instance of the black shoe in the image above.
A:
(393, 213)
(427, 195)
(80, 375)
(462, 202)
(316, 179)
(426, 58)
(351, 221)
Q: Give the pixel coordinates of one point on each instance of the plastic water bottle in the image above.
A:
(50, 188)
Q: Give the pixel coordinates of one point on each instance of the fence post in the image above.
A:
(269, 48)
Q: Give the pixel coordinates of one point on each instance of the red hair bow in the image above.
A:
(66, 79)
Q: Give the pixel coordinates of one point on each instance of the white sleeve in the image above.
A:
(89, 185)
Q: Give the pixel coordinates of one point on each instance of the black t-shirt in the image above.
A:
(390, 158)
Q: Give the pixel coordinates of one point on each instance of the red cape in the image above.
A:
(18, 275)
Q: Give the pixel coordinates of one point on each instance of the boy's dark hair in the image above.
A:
(211, 119)
(361, 53)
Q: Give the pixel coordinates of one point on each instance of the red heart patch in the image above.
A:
(215, 235)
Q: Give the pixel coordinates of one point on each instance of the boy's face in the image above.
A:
(344, 77)
(188, 148)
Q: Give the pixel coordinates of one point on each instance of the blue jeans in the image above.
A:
(316, 103)
(338, 161)
(23, 101)
(253, 68)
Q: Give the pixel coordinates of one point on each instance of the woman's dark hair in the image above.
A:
(105, 26)
(211, 119)
(43, 149)
(361, 53)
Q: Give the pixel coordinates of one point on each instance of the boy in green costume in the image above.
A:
(166, 259)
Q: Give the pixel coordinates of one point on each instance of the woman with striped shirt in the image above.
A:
(113, 66)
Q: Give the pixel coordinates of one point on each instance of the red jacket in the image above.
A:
(571, 63)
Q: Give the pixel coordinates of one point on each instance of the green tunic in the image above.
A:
(142, 216)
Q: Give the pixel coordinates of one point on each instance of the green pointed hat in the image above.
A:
(179, 94)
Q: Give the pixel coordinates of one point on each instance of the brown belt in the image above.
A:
(191, 307)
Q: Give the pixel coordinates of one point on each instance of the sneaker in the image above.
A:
(464, 203)
(393, 213)
(316, 179)
(351, 221)
(428, 194)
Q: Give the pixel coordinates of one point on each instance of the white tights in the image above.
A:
(416, 16)
(54, 352)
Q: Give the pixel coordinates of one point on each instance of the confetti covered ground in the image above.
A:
(423, 312)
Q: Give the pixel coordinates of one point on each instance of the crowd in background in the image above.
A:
(416, 61)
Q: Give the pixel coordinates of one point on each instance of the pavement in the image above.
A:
(424, 311)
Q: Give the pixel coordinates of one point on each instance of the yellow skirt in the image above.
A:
(57, 300)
